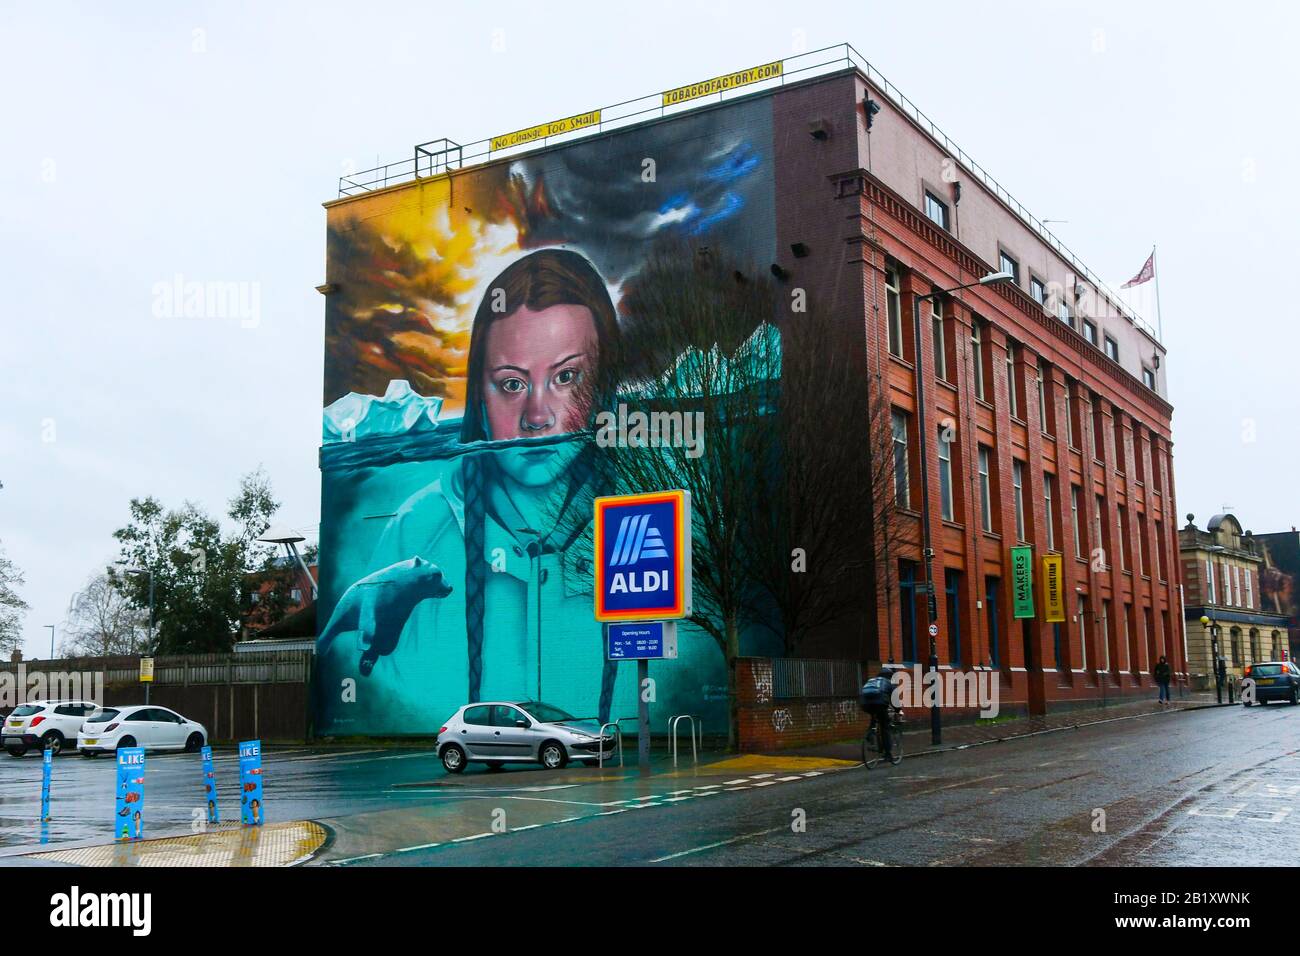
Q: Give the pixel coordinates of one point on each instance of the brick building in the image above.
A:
(1223, 570)
(1047, 423)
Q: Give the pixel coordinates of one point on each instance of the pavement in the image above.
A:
(1133, 784)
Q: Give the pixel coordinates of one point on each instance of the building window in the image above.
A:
(977, 354)
(945, 475)
(1070, 438)
(907, 608)
(1160, 550)
(1018, 496)
(1063, 312)
(1250, 591)
(894, 312)
(1043, 420)
(1111, 348)
(1100, 531)
(1105, 635)
(295, 595)
(1037, 290)
(1148, 378)
(1049, 482)
(1090, 331)
(1142, 544)
(940, 347)
(1082, 615)
(986, 493)
(936, 210)
(902, 476)
(1121, 516)
(952, 587)
(1074, 521)
(1008, 264)
(1013, 380)
(1236, 586)
(1236, 646)
(1098, 430)
(1210, 582)
(991, 587)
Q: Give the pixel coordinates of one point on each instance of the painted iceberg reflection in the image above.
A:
(400, 411)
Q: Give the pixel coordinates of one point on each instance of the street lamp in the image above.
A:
(51, 627)
(149, 642)
(927, 551)
(1214, 656)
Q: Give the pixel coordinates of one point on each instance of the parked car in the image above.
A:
(45, 724)
(1274, 680)
(154, 728)
(500, 732)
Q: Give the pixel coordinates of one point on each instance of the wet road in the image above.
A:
(300, 783)
(1204, 787)
(1219, 786)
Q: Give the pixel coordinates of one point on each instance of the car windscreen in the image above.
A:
(545, 712)
(26, 710)
(1266, 670)
(102, 716)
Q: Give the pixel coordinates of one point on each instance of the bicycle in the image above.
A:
(872, 753)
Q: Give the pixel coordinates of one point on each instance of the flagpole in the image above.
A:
(1155, 272)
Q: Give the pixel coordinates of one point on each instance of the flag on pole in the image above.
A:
(1146, 275)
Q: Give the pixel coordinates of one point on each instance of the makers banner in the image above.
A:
(1022, 581)
(210, 786)
(1053, 589)
(250, 783)
(128, 824)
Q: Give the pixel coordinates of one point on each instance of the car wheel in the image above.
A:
(16, 751)
(53, 741)
(552, 755)
(194, 744)
(453, 758)
(126, 742)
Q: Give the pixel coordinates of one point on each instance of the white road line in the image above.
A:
(766, 783)
(422, 846)
(734, 789)
(732, 783)
(677, 799)
(711, 846)
(760, 776)
(353, 859)
(476, 836)
(786, 779)
(530, 826)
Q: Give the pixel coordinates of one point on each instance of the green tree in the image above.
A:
(201, 575)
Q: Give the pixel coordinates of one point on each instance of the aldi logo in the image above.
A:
(643, 557)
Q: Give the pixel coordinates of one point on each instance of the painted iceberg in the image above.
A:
(400, 411)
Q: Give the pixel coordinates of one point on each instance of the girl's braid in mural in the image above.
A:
(537, 281)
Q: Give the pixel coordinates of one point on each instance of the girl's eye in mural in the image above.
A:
(512, 385)
(567, 376)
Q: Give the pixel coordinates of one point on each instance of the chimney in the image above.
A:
(16, 657)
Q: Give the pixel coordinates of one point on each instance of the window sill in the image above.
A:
(982, 403)
(944, 383)
(899, 360)
(952, 523)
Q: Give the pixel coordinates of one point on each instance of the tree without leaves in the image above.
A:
(104, 622)
(12, 607)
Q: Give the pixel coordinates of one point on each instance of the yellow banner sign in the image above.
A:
(729, 81)
(543, 130)
(1053, 588)
(146, 670)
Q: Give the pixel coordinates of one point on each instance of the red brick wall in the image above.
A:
(765, 723)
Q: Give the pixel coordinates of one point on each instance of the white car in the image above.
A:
(45, 725)
(154, 728)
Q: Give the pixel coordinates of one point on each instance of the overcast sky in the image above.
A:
(144, 141)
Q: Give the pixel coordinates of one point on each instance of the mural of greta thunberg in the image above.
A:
(482, 581)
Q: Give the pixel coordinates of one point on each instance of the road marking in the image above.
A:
(959, 783)
(787, 779)
(712, 846)
(732, 783)
(353, 859)
(422, 846)
(677, 799)
(765, 783)
(530, 826)
(350, 753)
(476, 836)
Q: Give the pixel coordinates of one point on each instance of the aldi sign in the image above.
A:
(643, 557)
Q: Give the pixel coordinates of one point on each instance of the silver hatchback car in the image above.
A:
(501, 732)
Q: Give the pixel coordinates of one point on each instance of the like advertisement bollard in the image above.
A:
(250, 783)
(128, 823)
(47, 768)
(210, 787)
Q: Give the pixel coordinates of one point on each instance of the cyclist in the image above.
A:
(877, 699)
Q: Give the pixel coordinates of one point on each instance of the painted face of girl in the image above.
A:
(536, 376)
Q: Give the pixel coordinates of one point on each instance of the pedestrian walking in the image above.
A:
(1162, 674)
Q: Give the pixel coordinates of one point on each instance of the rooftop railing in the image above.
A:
(443, 155)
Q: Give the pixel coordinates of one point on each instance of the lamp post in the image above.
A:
(51, 627)
(927, 550)
(1214, 656)
(148, 643)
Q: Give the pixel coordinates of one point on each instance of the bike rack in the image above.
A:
(697, 725)
(617, 730)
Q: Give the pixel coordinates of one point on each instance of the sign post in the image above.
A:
(146, 675)
(643, 585)
(250, 783)
(128, 822)
(47, 767)
(210, 787)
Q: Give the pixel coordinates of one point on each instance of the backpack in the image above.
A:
(876, 693)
